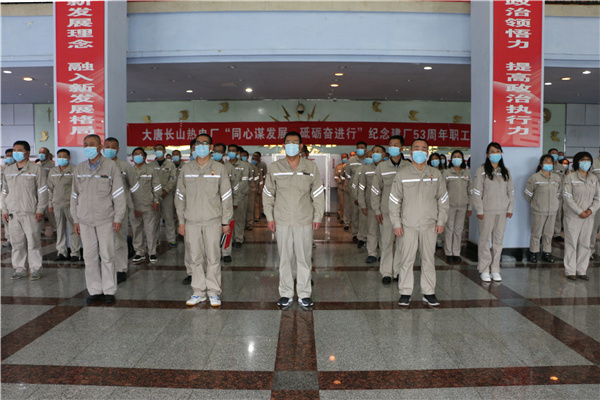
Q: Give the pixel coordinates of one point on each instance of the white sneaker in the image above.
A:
(215, 301)
(496, 277)
(485, 276)
(195, 300)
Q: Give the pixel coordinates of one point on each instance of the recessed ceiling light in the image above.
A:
(565, 78)
(27, 79)
(334, 85)
(339, 74)
(154, 68)
(427, 68)
(7, 71)
(548, 83)
(189, 91)
(249, 90)
(232, 67)
(584, 72)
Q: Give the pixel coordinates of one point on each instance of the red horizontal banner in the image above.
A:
(268, 133)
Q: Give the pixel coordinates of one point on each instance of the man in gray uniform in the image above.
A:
(262, 168)
(47, 164)
(168, 179)
(24, 200)
(242, 174)
(351, 171)
(294, 204)
(98, 207)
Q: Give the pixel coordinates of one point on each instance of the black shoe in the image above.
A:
(386, 280)
(404, 300)
(354, 239)
(153, 258)
(346, 228)
(285, 302)
(532, 258)
(237, 245)
(458, 259)
(548, 257)
(571, 277)
(583, 277)
(138, 259)
(187, 280)
(312, 283)
(109, 298)
(305, 302)
(60, 257)
(361, 244)
(227, 259)
(449, 259)
(371, 259)
(121, 277)
(75, 259)
(93, 298)
(396, 278)
(431, 299)
(558, 239)
(81, 254)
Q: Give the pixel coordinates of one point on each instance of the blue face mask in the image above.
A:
(231, 155)
(560, 158)
(368, 160)
(159, 153)
(90, 152)
(254, 162)
(377, 157)
(443, 162)
(138, 159)
(217, 156)
(193, 155)
(202, 150)
(176, 159)
(554, 157)
(495, 158)
(18, 156)
(435, 163)
(9, 160)
(344, 160)
(62, 162)
(394, 151)
(585, 165)
(457, 162)
(419, 156)
(110, 153)
(292, 149)
(244, 158)
(385, 158)
(360, 152)
(547, 167)
(42, 157)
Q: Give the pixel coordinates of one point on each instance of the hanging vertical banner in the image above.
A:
(79, 71)
(518, 72)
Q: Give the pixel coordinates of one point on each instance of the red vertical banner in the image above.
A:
(518, 71)
(79, 71)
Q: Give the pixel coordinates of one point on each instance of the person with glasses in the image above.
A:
(294, 204)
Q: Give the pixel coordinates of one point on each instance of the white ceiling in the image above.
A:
(299, 80)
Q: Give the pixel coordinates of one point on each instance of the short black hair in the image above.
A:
(159, 144)
(578, 158)
(361, 142)
(64, 151)
(206, 135)
(173, 152)
(400, 138)
(112, 139)
(244, 152)
(94, 136)
(192, 143)
(258, 152)
(234, 145)
(22, 143)
(139, 148)
(551, 150)
(381, 147)
(419, 140)
(7, 151)
(292, 133)
(220, 145)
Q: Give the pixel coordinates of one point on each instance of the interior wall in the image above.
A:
(582, 128)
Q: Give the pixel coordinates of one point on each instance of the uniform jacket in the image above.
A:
(167, 174)
(580, 194)
(382, 185)
(458, 185)
(365, 181)
(60, 186)
(544, 193)
(24, 192)
(495, 196)
(149, 187)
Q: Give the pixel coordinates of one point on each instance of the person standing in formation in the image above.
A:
(365, 183)
(351, 172)
(168, 174)
(340, 180)
(458, 183)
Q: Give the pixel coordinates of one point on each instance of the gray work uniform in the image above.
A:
(203, 200)
(558, 221)
(340, 179)
(132, 196)
(418, 202)
(252, 192)
(98, 200)
(60, 187)
(351, 172)
(6, 230)
(150, 190)
(594, 236)
(492, 198)
(365, 182)
(234, 179)
(380, 198)
(47, 165)
(543, 194)
(458, 185)
(579, 195)
(348, 202)
(258, 210)
(24, 194)
(294, 199)
(241, 176)
(168, 179)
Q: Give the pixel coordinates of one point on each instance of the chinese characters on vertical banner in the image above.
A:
(518, 64)
(79, 71)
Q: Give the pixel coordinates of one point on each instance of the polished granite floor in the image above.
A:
(534, 336)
